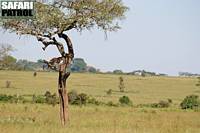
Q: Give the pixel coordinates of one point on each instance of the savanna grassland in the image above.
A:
(43, 118)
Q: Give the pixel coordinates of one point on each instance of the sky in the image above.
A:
(161, 36)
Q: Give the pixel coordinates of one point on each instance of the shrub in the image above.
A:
(164, 104)
(11, 99)
(47, 94)
(72, 97)
(34, 74)
(5, 98)
(198, 84)
(82, 98)
(125, 100)
(38, 99)
(51, 98)
(92, 100)
(110, 103)
(161, 104)
(169, 100)
(14, 99)
(77, 99)
(109, 92)
(190, 102)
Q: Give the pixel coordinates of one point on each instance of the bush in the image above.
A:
(109, 92)
(47, 94)
(110, 103)
(38, 99)
(92, 100)
(72, 97)
(51, 98)
(161, 104)
(169, 100)
(4, 98)
(125, 100)
(164, 104)
(82, 98)
(190, 102)
(198, 84)
(77, 99)
(11, 99)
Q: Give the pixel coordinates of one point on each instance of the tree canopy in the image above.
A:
(6, 60)
(64, 15)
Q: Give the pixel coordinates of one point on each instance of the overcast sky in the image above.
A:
(157, 35)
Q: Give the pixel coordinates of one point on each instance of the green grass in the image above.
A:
(140, 90)
(39, 118)
(92, 119)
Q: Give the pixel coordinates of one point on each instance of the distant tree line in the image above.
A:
(8, 62)
(187, 74)
(11, 63)
(142, 73)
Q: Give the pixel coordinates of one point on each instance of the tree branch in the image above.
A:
(45, 42)
(53, 62)
(69, 45)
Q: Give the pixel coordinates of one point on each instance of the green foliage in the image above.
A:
(124, 100)
(66, 15)
(78, 65)
(38, 99)
(92, 100)
(6, 60)
(4, 97)
(77, 99)
(72, 97)
(118, 72)
(91, 69)
(190, 102)
(81, 99)
(160, 104)
(8, 63)
(51, 98)
(5, 50)
(29, 65)
(11, 99)
(48, 98)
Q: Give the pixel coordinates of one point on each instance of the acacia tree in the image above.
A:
(54, 19)
(6, 60)
(5, 49)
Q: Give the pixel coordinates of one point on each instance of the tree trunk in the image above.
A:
(62, 90)
(63, 62)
